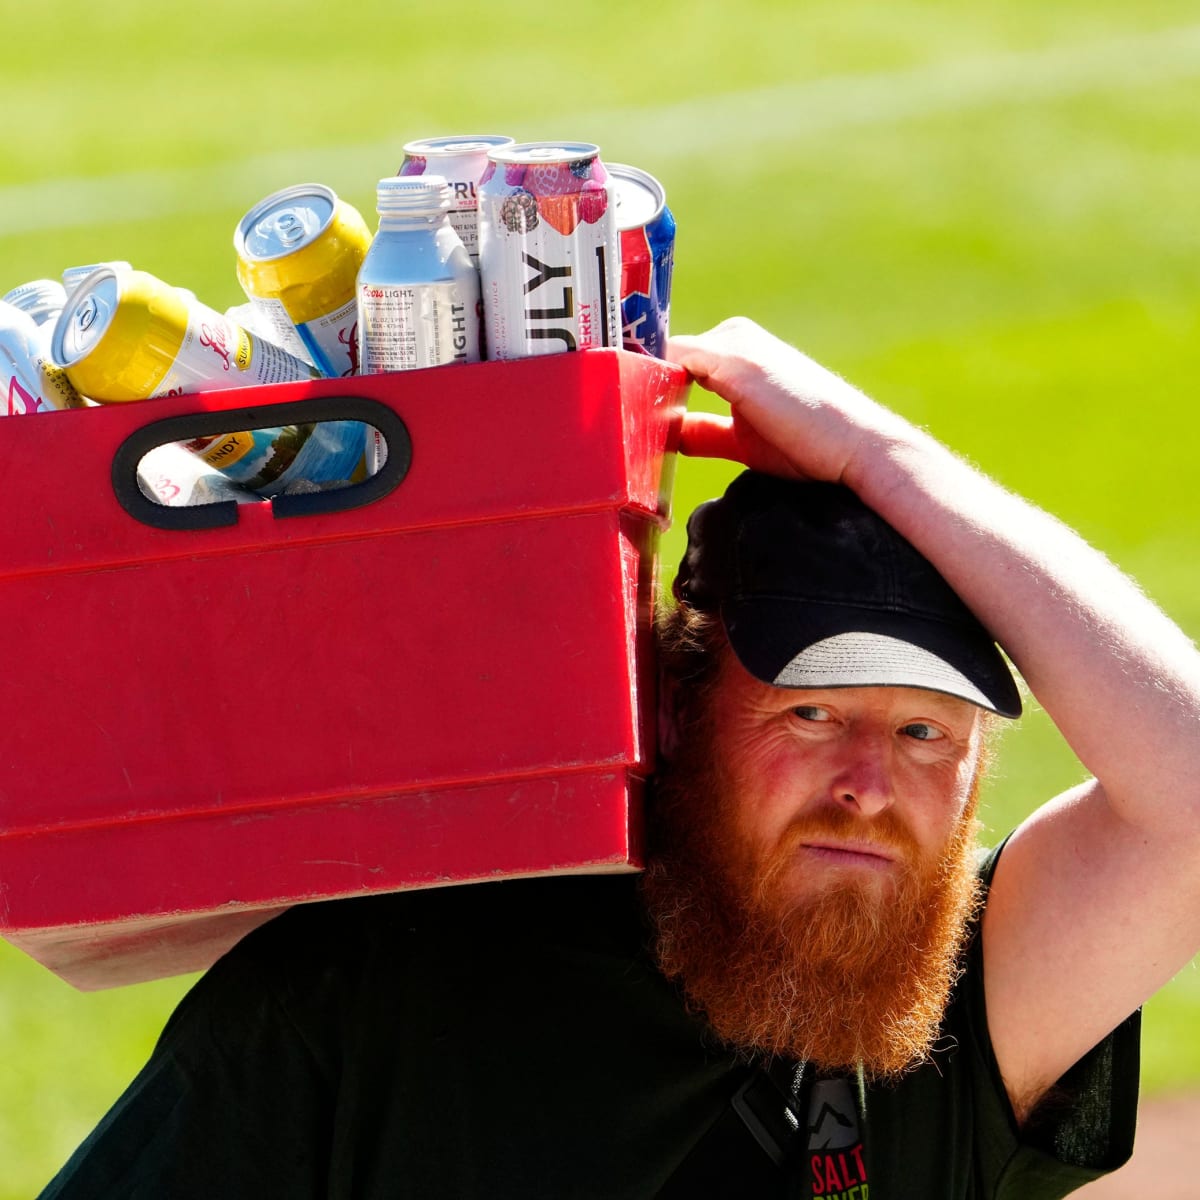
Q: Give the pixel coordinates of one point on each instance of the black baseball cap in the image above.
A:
(815, 590)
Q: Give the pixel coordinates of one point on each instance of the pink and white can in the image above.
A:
(461, 160)
(549, 250)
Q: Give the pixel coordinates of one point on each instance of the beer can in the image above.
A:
(42, 299)
(549, 254)
(127, 335)
(30, 382)
(647, 229)
(298, 255)
(174, 478)
(288, 458)
(72, 277)
(461, 161)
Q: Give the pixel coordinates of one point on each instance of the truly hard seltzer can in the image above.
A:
(647, 230)
(461, 161)
(298, 254)
(549, 255)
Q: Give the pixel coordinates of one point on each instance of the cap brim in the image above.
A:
(802, 644)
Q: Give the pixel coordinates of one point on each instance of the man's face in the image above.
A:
(812, 871)
(842, 786)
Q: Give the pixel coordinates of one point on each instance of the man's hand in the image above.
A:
(789, 416)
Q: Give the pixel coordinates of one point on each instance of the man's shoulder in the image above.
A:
(578, 907)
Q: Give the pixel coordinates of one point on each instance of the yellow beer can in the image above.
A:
(127, 335)
(298, 255)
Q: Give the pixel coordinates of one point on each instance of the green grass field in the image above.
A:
(983, 215)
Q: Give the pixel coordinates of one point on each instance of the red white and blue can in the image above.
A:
(647, 230)
(549, 251)
(461, 160)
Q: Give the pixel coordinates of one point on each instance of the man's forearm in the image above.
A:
(1120, 680)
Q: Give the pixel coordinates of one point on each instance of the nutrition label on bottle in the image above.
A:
(388, 318)
(402, 327)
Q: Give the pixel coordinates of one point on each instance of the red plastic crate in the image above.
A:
(446, 683)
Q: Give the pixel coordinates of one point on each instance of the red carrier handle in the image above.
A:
(299, 412)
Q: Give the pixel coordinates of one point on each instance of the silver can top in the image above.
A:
(87, 316)
(455, 145)
(285, 222)
(42, 299)
(72, 277)
(640, 197)
(544, 152)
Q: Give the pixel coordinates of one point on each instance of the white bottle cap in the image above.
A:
(412, 194)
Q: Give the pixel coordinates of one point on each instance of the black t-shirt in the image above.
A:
(512, 1039)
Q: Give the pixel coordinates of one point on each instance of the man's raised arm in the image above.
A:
(1096, 900)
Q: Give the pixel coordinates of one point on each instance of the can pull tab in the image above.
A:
(390, 432)
(289, 227)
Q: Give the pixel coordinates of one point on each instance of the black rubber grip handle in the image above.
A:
(299, 412)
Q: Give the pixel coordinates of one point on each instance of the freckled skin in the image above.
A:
(892, 758)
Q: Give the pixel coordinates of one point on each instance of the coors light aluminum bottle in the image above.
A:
(549, 255)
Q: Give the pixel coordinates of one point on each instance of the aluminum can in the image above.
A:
(171, 476)
(42, 299)
(461, 161)
(549, 254)
(127, 335)
(288, 458)
(418, 291)
(72, 277)
(30, 381)
(298, 254)
(647, 229)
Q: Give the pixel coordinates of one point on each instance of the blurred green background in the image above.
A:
(984, 215)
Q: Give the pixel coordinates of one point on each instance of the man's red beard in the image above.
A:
(855, 975)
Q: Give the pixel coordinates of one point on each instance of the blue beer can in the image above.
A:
(647, 231)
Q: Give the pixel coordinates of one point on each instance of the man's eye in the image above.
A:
(922, 732)
(810, 712)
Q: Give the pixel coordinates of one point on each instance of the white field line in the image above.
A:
(781, 115)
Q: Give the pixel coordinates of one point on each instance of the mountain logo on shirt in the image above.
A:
(835, 1149)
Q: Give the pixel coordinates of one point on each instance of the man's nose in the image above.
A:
(863, 780)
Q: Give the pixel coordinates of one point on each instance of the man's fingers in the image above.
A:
(708, 435)
(690, 353)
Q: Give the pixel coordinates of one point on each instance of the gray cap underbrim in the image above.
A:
(875, 660)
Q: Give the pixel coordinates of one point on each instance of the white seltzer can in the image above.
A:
(461, 160)
(549, 254)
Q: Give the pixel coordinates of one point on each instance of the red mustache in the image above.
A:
(884, 834)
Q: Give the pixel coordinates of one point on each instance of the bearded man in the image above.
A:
(835, 939)
(819, 988)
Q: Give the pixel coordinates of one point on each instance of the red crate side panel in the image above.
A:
(68, 909)
(344, 669)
